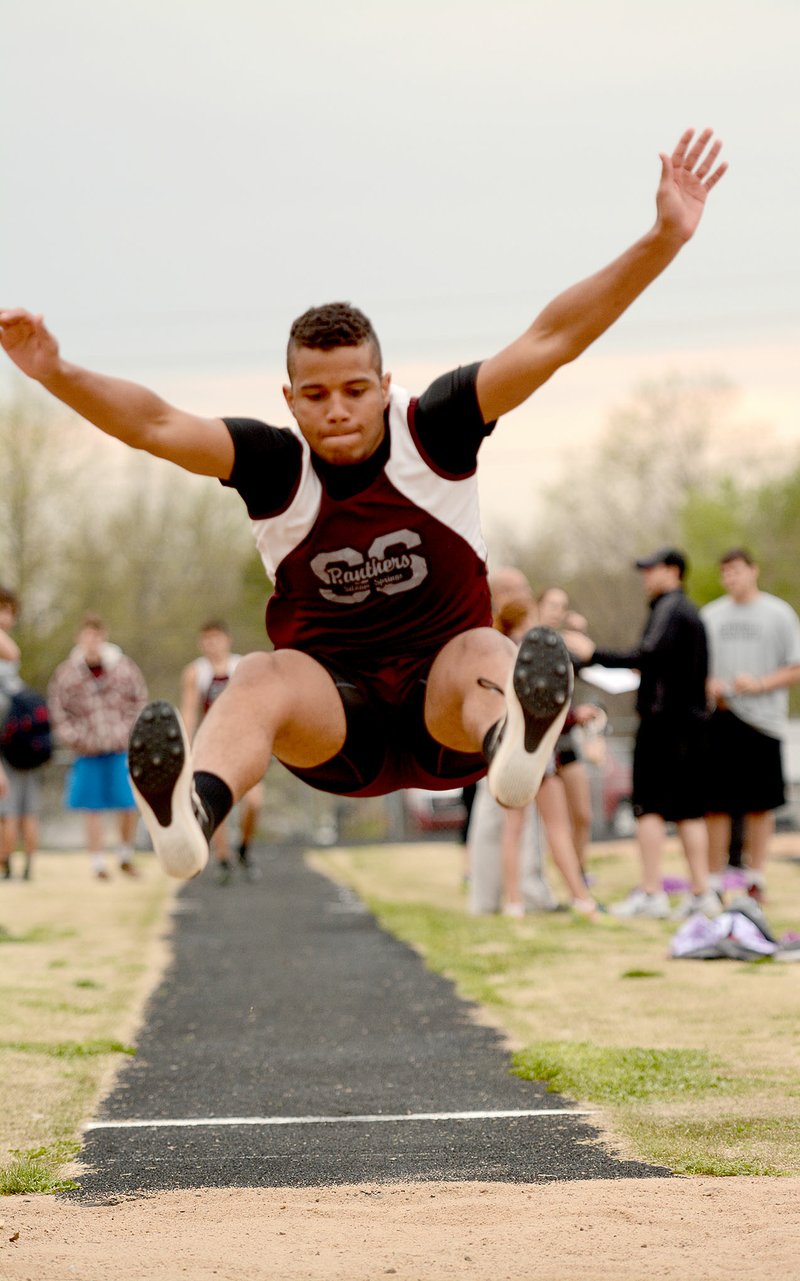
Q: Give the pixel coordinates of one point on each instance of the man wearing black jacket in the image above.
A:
(668, 764)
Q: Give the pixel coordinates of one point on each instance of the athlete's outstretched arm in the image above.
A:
(575, 318)
(122, 409)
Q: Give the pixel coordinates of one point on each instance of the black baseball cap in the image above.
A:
(664, 556)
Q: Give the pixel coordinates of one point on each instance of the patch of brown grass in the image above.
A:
(77, 958)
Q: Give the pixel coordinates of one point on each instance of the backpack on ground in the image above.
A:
(25, 737)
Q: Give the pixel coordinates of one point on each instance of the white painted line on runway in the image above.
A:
(188, 1123)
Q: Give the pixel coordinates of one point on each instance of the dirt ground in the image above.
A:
(625, 1230)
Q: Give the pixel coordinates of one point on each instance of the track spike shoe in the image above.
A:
(160, 767)
(537, 701)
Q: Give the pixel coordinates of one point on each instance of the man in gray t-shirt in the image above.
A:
(754, 656)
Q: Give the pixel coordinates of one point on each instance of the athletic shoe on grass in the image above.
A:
(638, 903)
(160, 765)
(538, 694)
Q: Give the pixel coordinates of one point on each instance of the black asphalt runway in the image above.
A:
(288, 1027)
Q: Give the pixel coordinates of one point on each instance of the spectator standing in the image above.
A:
(94, 698)
(669, 755)
(554, 611)
(517, 612)
(202, 682)
(504, 855)
(754, 656)
(20, 794)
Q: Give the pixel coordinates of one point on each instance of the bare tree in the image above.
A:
(43, 494)
(625, 497)
(87, 524)
(173, 551)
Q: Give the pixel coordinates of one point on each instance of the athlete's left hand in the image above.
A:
(687, 176)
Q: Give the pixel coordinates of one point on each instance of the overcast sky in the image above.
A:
(182, 177)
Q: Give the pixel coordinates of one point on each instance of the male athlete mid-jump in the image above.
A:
(385, 672)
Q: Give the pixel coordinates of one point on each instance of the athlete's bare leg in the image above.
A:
(479, 681)
(287, 704)
(465, 695)
(284, 704)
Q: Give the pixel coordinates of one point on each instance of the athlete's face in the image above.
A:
(338, 398)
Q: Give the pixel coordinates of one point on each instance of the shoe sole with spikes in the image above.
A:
(537, 701)
(160, 768)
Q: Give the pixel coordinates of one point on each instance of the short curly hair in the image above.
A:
(335, 324)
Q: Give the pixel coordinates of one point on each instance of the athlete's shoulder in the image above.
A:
(268, 462)
(447, 422)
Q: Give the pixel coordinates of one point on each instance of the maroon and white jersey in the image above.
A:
(377, 564)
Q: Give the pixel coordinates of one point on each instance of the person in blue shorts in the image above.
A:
(94, 697)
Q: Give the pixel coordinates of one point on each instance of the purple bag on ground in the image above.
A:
(734, 935)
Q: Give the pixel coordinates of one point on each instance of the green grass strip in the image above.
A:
(68, 1049)
(610, 1074)
(36, 1170)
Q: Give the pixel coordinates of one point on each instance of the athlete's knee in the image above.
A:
(481, 645)
(253, 669)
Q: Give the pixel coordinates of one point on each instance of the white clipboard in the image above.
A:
(611, 680)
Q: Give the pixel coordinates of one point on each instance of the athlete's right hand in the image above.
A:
(28, 343)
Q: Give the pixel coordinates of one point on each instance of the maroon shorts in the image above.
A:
(387, 745)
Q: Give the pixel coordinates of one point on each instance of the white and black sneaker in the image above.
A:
(160, 766)
(537, 701)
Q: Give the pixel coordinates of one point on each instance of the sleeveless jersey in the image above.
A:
(210, 684)
(385, 576)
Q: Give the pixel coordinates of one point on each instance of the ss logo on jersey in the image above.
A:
(388, 567)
